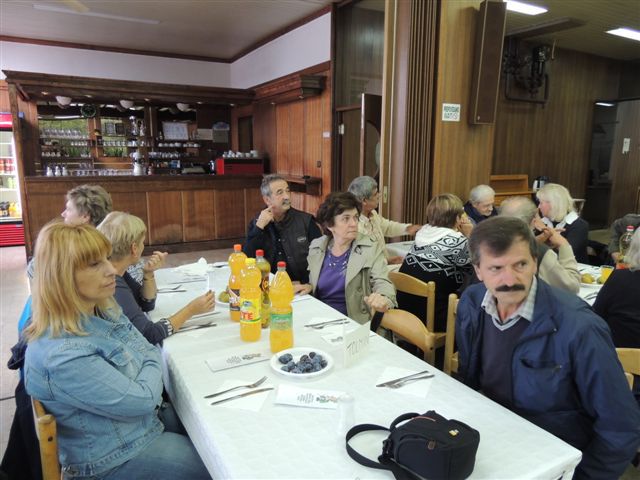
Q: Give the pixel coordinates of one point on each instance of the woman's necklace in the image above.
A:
(338, 261)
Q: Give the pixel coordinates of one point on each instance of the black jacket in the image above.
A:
(294, 234)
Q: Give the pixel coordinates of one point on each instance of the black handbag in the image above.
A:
(427, 446)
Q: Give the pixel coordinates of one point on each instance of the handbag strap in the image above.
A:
(376, 321)
(386, 462)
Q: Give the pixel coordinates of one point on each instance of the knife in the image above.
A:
(391, 382)
(245, 394)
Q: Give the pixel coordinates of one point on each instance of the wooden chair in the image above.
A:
(630, 360)
(451, 357)
(411, 285)
(409, 327)
(48, 440)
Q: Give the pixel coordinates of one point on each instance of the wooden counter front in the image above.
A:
(182, 213)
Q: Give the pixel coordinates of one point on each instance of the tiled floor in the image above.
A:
(14, 290)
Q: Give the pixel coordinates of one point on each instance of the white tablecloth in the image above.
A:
(296, 442)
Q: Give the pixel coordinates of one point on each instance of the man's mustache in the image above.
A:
(518, 287)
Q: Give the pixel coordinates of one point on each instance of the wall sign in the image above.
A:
(450, 112)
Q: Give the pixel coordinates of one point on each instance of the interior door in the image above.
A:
(371, 118)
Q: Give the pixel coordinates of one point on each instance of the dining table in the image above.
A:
(296, 428)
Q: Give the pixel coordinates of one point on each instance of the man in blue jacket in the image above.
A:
(543, 353)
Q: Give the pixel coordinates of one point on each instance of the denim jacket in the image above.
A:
(102, 388)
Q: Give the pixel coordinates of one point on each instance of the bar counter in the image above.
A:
(182, 212)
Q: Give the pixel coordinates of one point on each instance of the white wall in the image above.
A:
(308, 45)
(121, 66)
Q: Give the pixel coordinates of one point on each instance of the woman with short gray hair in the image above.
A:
(481, 204)
(617, 301)
(373, 225)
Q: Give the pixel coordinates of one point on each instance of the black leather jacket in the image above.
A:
(295, 232)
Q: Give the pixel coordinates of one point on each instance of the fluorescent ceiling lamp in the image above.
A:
(53, 8)
(524, 8)
(604, 104)
(626, 33)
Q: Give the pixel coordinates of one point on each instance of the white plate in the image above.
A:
(221, 303)
(297, 352)
(590, 285)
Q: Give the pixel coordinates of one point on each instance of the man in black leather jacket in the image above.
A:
(283, 232)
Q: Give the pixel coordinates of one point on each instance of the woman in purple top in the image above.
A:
(348, 270)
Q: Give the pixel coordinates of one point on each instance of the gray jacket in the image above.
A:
(366, 273)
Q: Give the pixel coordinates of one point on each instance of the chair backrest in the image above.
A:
(411, 285)
(48, 440)
(451, 357)
(630, 360)
(410, 328)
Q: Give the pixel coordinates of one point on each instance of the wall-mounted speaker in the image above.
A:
(487, 61)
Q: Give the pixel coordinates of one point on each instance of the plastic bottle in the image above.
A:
(265, 268)
(625, 241)
(236, 264)
(281, 294)
(250, 302)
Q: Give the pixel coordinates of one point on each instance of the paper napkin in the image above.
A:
(307, 397)
(233, 359)
(198, 268)
(419, 388)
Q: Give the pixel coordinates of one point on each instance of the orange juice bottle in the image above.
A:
(236, 264)
(265, 269)
(281, 295)
(250, 302)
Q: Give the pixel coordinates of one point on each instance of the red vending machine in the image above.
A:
(11, 228)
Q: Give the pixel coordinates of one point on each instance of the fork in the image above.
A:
(250, 385)
(321, 325)
(166, 289)
(401, 383)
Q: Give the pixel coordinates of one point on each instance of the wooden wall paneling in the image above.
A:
(350, 145)
(165, 217)
(198, 215)
(230, 214)
(297, 129)
(462, 153)
(43, 209)
(281, 134)
(237, 113)
(5, 106)
(134, 203)
(555, 140)
(420, 106)
(327, 140)
(313, 144)
(264, 132)
(297, 200)
(625, 167)
(253, 204)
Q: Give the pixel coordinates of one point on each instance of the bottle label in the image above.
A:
(250, 309)
(281, 321)
(234, 299)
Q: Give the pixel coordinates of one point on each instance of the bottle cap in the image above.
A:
(629, 228)
(237, 247)
(282, 264)
(259, 253)
(250, 261)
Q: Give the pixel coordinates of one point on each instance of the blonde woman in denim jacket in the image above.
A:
(94, 371)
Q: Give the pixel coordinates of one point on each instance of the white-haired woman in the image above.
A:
(126, 233)
(481, 204)
(558, 211)
(618, 301)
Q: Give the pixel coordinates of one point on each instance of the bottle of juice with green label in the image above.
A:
(236, 264)
(265, 268)
(281, 295)
(250, 302)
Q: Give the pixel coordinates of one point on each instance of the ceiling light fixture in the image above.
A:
(605, 104)
(63, 101)
(126, 103)
(183, 107)
(626, 33)
(525, 8)
(53, 8)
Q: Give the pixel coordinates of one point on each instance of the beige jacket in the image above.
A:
(561, 269)
(379, 227)
(366, 273)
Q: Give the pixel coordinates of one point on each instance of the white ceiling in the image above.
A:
(224, 28)
(212, 28)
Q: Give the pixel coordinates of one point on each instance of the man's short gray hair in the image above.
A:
(519, 207)
(480, 193)
(267, 180)
(362, 187)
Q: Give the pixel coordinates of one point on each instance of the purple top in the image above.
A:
(331, 281)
